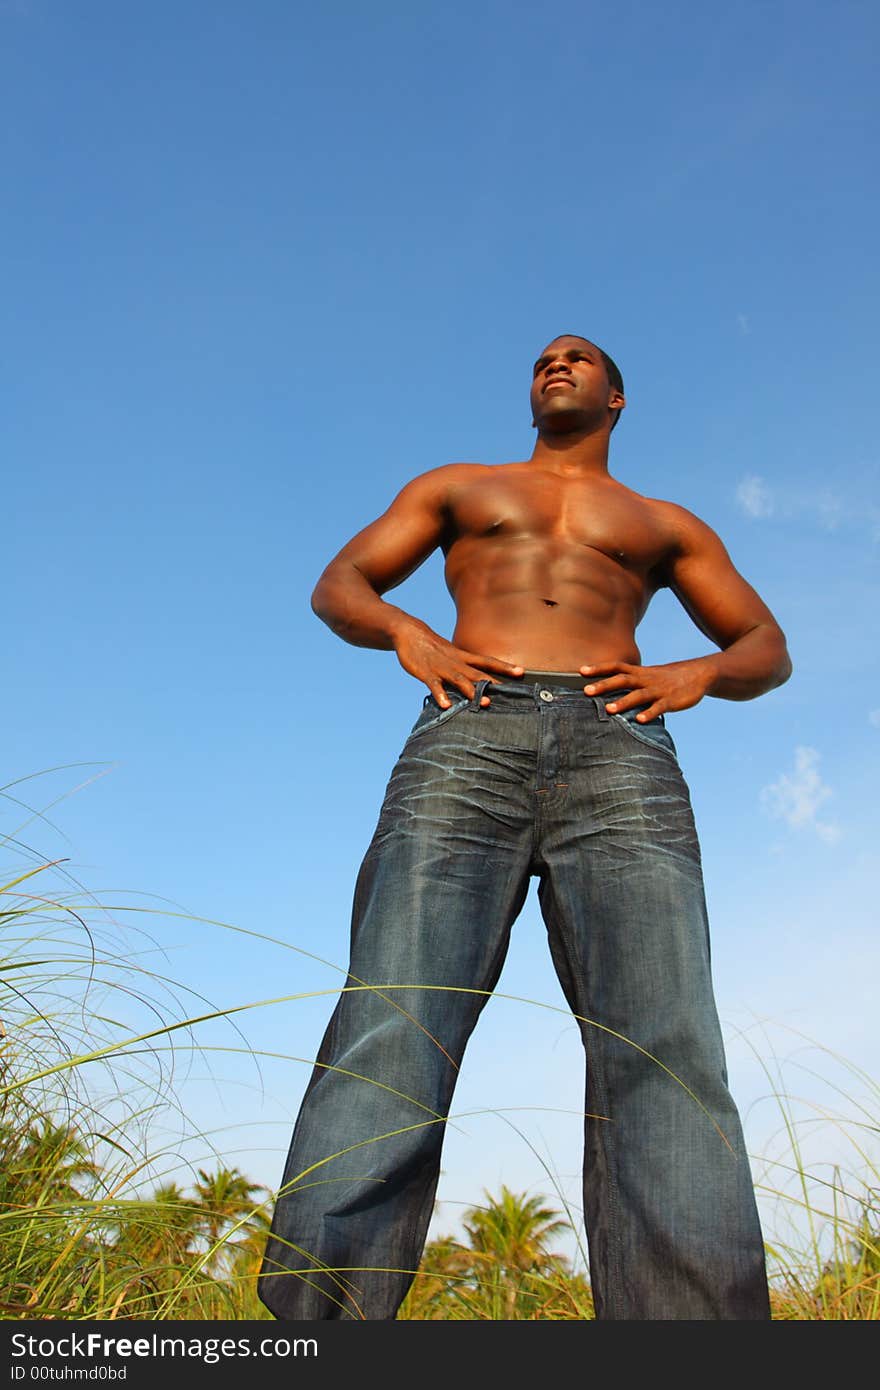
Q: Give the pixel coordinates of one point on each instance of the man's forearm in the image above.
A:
(753, 664)
(350, 606)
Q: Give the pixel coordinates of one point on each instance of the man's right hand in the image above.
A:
(430, 658)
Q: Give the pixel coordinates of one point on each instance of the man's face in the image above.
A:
(570, 387)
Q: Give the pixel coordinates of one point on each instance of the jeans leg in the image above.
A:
(444, 878)
(669, 1203)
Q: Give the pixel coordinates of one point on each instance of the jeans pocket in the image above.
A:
(654, 733)
(432, 716)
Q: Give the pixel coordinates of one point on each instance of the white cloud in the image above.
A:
(754, 496)
(795, 798)
(874, 718)
(743, 321)
(830, 509)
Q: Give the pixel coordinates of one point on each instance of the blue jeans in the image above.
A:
(545, 782)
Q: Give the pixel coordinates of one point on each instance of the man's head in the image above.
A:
(575, 385)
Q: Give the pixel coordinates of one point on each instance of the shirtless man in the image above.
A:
(541, 749)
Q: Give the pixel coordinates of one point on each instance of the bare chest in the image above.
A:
(603, 516)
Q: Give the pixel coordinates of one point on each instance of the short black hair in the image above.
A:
(612, 370)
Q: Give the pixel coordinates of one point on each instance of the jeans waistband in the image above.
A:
(560, 680)
(543, 688)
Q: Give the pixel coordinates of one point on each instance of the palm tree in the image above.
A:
(445, 1283)
(509, 1237)
(513, 1229)
(222, 1198)
(505, 1270)
(246, 1258)
(44, 1168)
(152, 1250)
(51, 1159)
(159, 1230)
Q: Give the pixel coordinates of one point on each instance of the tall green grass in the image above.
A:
(94, 1036)
(823, 1243)
(96, 1222)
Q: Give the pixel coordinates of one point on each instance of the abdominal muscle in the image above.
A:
(543, 615)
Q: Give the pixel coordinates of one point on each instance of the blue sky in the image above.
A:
(265, 263)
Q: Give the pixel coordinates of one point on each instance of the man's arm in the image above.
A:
(347, 597)
(753, 657)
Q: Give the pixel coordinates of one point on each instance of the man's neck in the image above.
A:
(573, 454)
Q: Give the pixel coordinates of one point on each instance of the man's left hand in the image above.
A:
(675, 685)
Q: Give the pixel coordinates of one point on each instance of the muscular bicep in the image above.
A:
(709, 587)
(388, 550)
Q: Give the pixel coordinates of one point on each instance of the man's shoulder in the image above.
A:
(672, 514)
(446, 475)
(685, 533)
(453, 470)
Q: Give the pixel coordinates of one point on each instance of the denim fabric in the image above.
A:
(545, 782)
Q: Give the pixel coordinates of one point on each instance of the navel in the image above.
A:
(551, 602)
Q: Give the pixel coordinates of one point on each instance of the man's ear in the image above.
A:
(617, 400)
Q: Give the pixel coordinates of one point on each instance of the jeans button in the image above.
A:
(545, 695)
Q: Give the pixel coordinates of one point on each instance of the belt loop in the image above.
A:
(599, 702)
(479, 692)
